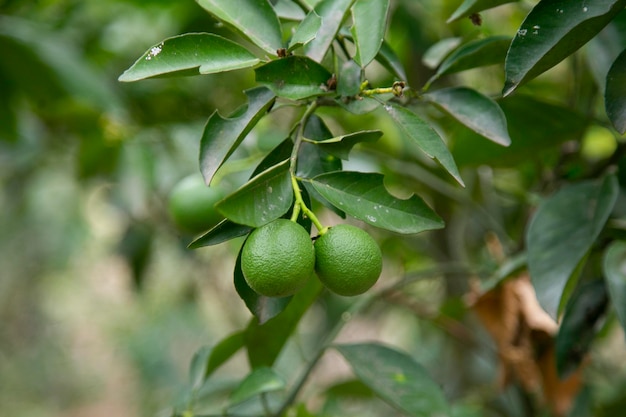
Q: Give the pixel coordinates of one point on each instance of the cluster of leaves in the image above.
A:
(310, 57)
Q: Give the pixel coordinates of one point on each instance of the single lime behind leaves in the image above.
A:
(348, 260)
(278, 258)
(191, 204)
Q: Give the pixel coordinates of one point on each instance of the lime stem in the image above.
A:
(293, 161)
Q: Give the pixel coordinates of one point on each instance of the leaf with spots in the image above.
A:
(396, 378)
(364, 196)
(190, 54)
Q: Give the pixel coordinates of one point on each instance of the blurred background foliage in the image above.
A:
(101, 304)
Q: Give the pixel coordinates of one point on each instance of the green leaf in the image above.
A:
(266, 341)
(535, 127)
(259, 381)
(349, 82)
(288, 10)
(426, 138)
(306, 30)
(332, 13)
(222, 136)
(474, 110)
(396, 378)
(474, 6)
(615, 275)
(368, 29)
(340, 146)
(388, 58)
(562, 231)
(312, 160)
(222, 232)
(578, 327)
(204, 53)
(223, 351)
(254, 19)
(262, 307)
(294, 77)
(198, 365)
(362, 105)
(435, 54)
(615, 93)
(475, 54)
(264, 198)
(551, 32)
(364, 196)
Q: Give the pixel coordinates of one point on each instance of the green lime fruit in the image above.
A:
(191, 204)
(348, 260)
(278, 258)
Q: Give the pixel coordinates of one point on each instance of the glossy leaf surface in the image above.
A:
(341, 146)
(615, 93)
(259, 381)
(189, 54)
(562, 231)
(294, 77)
(583, 312)
(476, 111)
(368, 29)
(425, 137)
(396, 378)
(364, 196)
(264, 198)
(254, 19)
(332, 13)
(553, 30)
(615, 275)
(222, 136)
(262, 307)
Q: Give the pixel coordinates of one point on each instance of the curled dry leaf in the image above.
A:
(524, 336)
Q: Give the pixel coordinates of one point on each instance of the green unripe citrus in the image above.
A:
(191, 204)
(348, 260)
(278, 258)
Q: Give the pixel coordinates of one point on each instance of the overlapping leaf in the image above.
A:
(364, 196)
(474, 110)
(340, 146)
(553, 30)
(222, 232)
(306, 30)
(332, 13)
(615, 93)
(266, 341)
(562, 231)
(368, 30)
(578, 328)
(192, 53)
(259, 381)
(254, 19)
(475, 54)
(222, 136)
(614, 266)
(294, 77)
(426, 138)
(474, 6)
(264, 198)
(396, 378)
